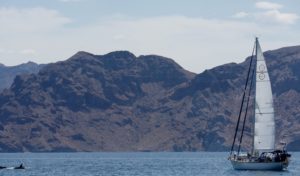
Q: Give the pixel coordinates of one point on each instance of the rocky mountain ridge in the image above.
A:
(120, 102)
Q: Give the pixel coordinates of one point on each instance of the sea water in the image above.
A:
(130, 164)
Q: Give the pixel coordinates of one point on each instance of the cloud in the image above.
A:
(28, 52)
(195, 43)
(270, 14)
(268, 5)
(30, 19)
(273, 15)
(240, 15)
(276, 16)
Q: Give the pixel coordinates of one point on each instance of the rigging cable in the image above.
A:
(243, 99)
(245, 116)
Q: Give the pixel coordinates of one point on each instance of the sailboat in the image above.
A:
(263, 155)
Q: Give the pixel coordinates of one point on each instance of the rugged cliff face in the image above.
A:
(120, 102)
(89, 103)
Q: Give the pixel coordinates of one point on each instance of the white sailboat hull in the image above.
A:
(238, 165)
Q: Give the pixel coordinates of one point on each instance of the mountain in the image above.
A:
(120, 102)
(8, 73)
(88, 103)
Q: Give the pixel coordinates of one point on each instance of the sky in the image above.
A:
(197, 34)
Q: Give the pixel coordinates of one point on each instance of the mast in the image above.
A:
(242, 106)
(264, 127)
(247, 104)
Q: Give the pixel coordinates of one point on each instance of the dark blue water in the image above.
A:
(130, 164)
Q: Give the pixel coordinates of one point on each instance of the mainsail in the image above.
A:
(264, 132)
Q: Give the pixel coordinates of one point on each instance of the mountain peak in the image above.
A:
(81, 54)
(120, 54)
(29, 63)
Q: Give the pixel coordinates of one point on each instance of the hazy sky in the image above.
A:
(197, 34)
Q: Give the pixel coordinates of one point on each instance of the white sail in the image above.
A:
(264, 132)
